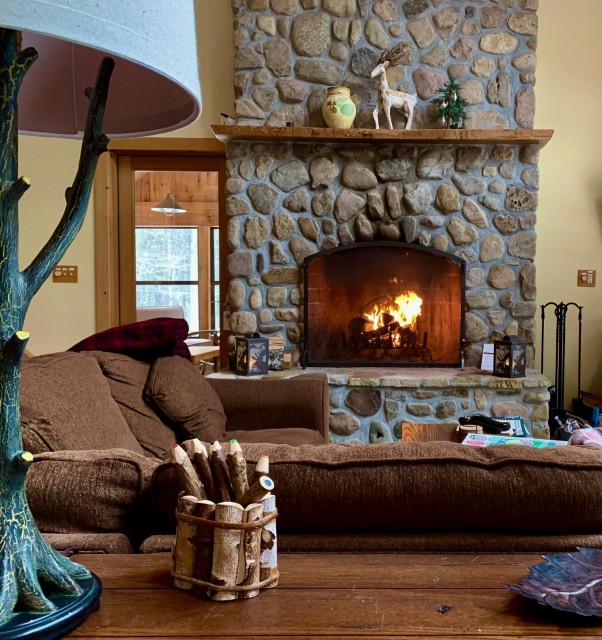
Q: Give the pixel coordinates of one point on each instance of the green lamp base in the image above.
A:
(70, 613)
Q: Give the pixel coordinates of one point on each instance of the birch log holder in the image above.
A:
(226, 551)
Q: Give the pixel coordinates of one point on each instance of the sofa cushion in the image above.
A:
(69, 391)
(71, 543)
(127, 378)
(90, 491)
(301, 402)
(292, 436)
(424, 487)
(38, 435)
(162, 543)
(434, 486)
(185, 398)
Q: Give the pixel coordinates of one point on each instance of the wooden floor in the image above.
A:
(334, 597)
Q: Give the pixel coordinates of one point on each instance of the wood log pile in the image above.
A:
(388, 336)
(226, 540)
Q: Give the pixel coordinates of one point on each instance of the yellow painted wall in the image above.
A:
(569, 222)
(62, 314)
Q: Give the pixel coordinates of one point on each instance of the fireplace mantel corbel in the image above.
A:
(540, 137)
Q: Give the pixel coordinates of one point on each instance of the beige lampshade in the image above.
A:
(154, 88)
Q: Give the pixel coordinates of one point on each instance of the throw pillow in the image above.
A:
(145, 340)
(127, 378)
(69, 390)
(179, 391)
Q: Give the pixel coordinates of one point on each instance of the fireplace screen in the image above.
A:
(383, 304)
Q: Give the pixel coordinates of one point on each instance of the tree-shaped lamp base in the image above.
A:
(35, 580)
(71, 611)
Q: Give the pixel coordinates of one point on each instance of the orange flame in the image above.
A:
(405, 310)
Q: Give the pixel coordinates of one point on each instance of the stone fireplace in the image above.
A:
(472, 206)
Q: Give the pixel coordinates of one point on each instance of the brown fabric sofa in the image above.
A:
(88, 494)
(97, 441)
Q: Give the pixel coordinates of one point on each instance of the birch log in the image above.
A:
(203, 540)
(191, 447)
(226, 548)
(223, 486)
(197, 453)
(262, 468)
(187, 477)
(269, 544)
(184, 551)
(200, 460)
(250, 554)
(259, 490)
(238, 470)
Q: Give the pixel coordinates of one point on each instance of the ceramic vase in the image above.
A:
(338, 108)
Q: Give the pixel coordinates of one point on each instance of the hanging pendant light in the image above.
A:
(169, 206)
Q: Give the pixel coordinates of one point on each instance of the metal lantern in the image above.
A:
(251, 356)
(509, 357)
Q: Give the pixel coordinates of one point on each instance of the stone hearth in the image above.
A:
(370, 405)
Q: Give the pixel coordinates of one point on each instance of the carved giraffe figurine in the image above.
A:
(388, 97)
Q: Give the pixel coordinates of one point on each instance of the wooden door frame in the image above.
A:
(110, 267)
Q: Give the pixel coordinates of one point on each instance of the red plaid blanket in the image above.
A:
(147, 340)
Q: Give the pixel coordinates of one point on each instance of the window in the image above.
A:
(131, 180)
(167, 269)
(215, 306)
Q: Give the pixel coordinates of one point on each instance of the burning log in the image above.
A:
(380, 338)
(357, 326)
(387, 319)
(407, 338)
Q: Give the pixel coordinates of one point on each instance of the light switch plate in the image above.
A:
(586, 278)
(64, 273)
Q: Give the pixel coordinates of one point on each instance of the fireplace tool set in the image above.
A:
(561, 421)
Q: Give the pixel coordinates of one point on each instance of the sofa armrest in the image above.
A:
(300, 402)
(103, 491)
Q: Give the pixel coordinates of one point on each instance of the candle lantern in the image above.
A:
(251, 355)
(510, 357)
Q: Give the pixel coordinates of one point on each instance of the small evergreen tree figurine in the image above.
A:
(451, 107)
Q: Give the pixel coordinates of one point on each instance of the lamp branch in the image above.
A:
(77, 196)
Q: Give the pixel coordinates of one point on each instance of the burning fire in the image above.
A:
(405, 310)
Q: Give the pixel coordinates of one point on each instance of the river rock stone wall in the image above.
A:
(289, 51)
(286, 201)
(372, 406)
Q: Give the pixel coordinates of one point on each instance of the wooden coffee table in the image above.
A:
(334, 596)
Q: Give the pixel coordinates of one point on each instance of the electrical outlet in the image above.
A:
(586, 278)
(64, 273)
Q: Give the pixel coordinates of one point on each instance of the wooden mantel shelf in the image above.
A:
(541, 137)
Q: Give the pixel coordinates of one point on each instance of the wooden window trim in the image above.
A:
(108, 274)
